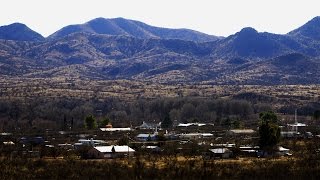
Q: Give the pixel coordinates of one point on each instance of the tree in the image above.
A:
(65, 123)
(90, 122)
(269, 130)
(123, 141)
(174, 114)
(104, 122)
(166, 123)
(187, 111)
(268, 116)
(316, 115)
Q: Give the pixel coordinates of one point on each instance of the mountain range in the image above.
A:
(127, 49)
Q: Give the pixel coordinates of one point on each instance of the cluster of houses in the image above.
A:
(149, 141)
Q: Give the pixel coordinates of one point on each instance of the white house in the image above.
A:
(105, 152)
(283, 151)
(115, 129)
(221, 152)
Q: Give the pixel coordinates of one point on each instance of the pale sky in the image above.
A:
(215, 17)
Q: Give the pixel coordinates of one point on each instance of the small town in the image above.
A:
(197, 140)
(159, 90)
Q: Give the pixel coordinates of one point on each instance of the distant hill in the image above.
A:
(19, 32)
(121, 26)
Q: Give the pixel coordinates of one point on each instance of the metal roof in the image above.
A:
(145, 135)
(115, 129)
(297, 125)
(219, 150)
(245, 131)
(118, 149)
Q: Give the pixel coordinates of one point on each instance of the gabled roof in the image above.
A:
(117, 149)
(145, 125)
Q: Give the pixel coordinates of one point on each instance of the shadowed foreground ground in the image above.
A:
(164, 168)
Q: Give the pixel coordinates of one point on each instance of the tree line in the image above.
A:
(60, 113)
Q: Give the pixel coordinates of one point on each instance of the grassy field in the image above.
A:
(161, 168)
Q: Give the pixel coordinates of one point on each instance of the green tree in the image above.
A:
(268, 116)
(90, 122)
(104, 122)
(269, 130)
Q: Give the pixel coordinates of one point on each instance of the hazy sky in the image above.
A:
(216, 17)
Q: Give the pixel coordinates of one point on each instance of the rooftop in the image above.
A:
(110, 149)
(242, 131)
(219, 150)
(115, 129)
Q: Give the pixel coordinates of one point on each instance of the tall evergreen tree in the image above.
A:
(269, 130)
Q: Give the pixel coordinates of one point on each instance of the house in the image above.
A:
(147, 137)
(220, 153)
(32, 140)
(283, 151)
(106, 152)
(195, 136)
(290, 134)
(114, 129)
(239, 132)
(65, 146)
(191, 124)
(145, 125)
(280, 151)
(296, 126)
(8, 143)
(227, 145)
(154, 149)
(88, 142)
(249, 151)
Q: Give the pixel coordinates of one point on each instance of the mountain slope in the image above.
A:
(19, 32)
(310, 30)
(248, 43)
(120, 26)
(287, 69)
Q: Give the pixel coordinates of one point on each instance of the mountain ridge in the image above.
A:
(121, 26)
(246, 57)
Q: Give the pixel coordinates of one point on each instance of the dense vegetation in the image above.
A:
(59, 112)
(56, 112)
